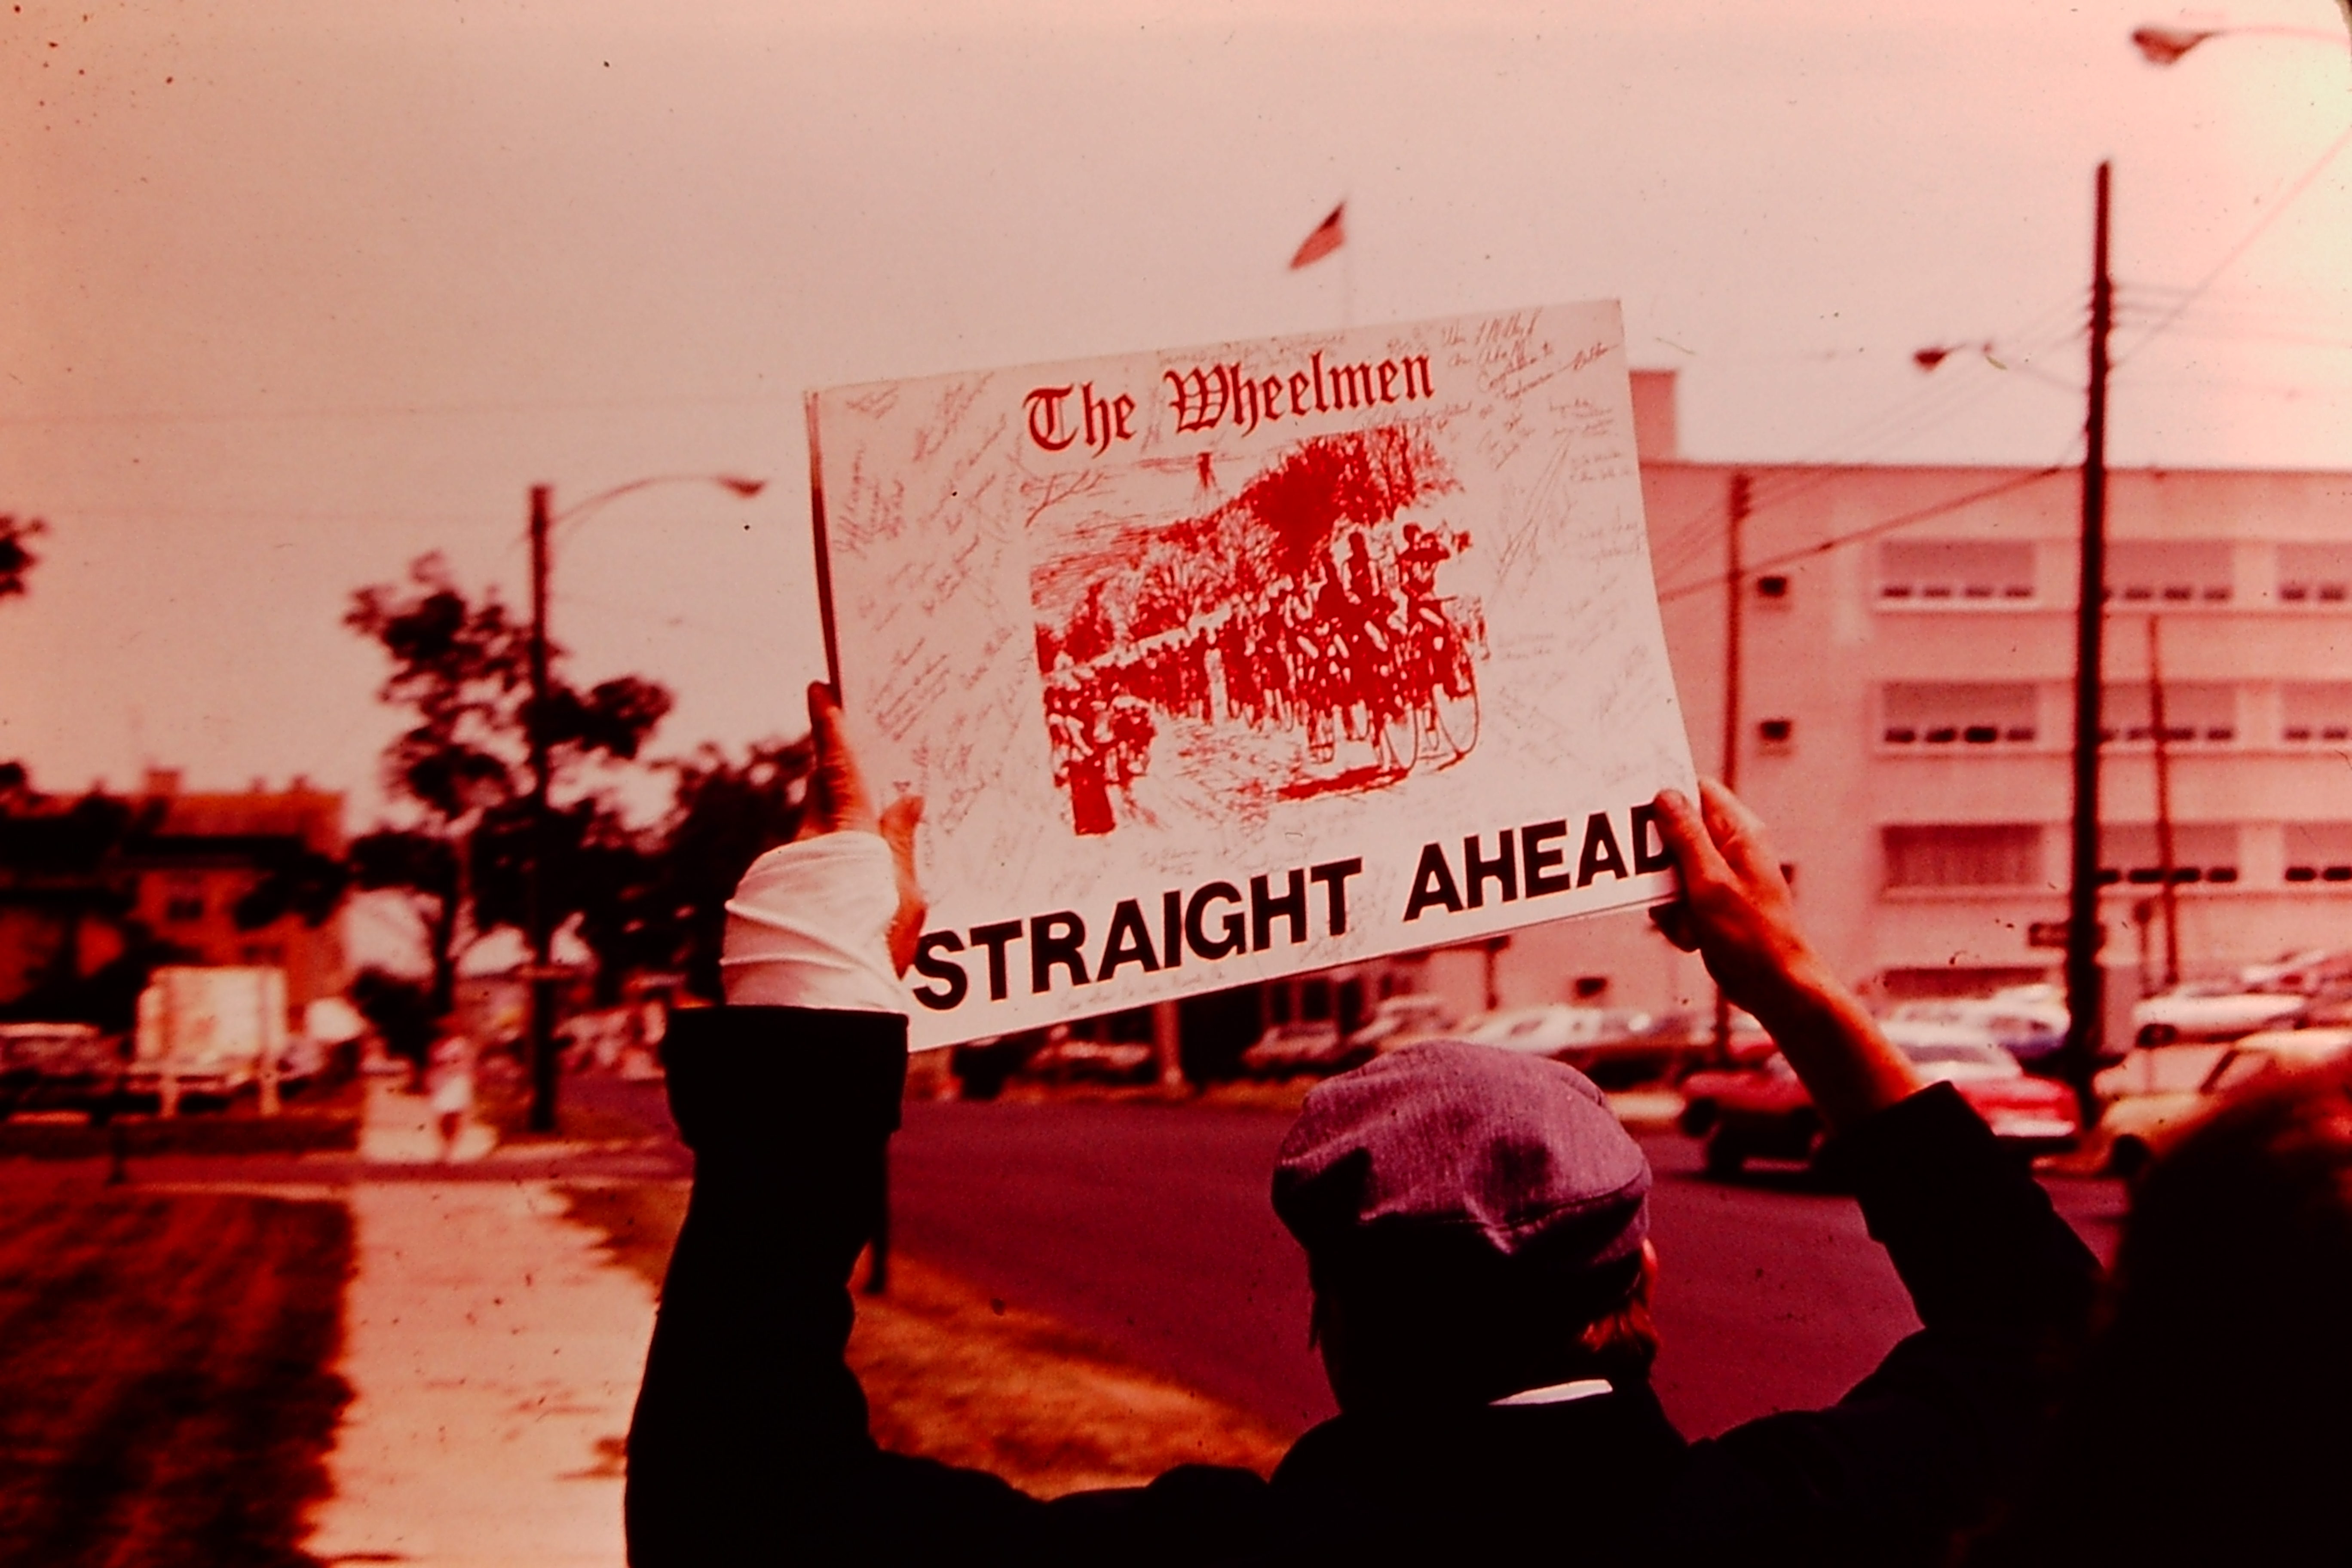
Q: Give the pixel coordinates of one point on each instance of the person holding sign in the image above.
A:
(1476, 1231)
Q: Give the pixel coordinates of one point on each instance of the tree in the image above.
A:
(69, 855)
(461, 666)
(16, 558)
(724, 815)
(17, 562)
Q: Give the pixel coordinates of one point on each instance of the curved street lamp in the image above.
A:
(542, 974)
(2163, 45)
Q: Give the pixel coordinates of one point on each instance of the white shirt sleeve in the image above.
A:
(809, 926)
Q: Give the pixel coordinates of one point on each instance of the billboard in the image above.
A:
(1216, 665)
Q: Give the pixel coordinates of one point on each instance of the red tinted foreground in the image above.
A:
(166, 1391)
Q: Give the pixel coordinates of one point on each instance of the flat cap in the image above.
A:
(1453, 1155)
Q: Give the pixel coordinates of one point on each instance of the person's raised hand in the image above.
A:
(1737, 912)
(839, 802)
(898, 821)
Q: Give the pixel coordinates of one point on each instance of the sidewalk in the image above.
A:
(494, 1354)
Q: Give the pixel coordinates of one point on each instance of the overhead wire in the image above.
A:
(2229, 258)
(1869, 531)
(1780, 484)
(392, 411)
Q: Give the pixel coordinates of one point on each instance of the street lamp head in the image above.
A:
(1929, 358)
(2163, 45)
(745, 488)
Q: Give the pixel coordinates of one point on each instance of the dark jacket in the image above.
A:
(750, 1443)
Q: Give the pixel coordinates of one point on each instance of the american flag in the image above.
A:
(1329, 236)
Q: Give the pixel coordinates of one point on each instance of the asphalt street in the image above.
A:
(1149, 1227)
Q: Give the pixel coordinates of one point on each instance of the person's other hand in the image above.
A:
(1735, 910)
(839, 802)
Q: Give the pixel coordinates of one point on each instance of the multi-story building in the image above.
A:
(1905, 717)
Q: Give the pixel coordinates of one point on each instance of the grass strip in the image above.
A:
(167, 1385)
(952, 1373)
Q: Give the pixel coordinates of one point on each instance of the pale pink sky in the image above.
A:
(300, 291)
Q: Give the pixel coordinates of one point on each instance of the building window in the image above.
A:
(2319, 851)
(2201, 852)
(2169, 572)
(1772, 586)
(1955, 571)
(183, 902)
(1964, 855)
(1964, 713)
(2314, 573)
(2203, 712)
(2316, 713)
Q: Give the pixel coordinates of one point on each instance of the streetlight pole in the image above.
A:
(538, 911)
(1735, 585)
(2085, 993)
(539, 928)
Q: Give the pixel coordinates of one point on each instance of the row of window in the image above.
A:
(1986, 714)
(2139, 571)
(2012, 855)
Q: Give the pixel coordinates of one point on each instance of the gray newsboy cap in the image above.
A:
(1459, 1156)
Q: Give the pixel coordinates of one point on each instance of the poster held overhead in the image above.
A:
(1218, 665)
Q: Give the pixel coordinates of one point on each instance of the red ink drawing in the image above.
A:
(1290, 641)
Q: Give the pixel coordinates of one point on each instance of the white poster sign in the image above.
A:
(1222, 664)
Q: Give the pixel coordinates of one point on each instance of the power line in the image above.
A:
(388, 411)
(2303, 182)
(1683, 543)
(1870, 531)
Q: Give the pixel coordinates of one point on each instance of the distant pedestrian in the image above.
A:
(449, 1084)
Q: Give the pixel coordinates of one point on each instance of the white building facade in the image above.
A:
(1905, 702)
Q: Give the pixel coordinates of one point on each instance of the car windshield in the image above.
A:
(2240, 1067)
(1956, 1053)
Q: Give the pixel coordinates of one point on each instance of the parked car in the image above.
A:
(1764, 1112)
(2213, 1010)
(1545, 1030)
(2309, 971)
(1399, 1021)
(57, 1067)
(981, 1067)
(1302, 1045)
(1613, 1046)
(2155, 1090)
(2028, 1022)
(1070, 1060)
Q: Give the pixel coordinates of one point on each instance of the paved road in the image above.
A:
(1147, 1226)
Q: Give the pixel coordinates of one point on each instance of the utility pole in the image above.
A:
(2085, 993)
(2167, 897)
(535, 910)
(1735, 582)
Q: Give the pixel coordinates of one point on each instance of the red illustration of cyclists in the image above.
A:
(1292, 640)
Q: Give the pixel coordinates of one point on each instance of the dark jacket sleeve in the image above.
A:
(1919, 1448)
(750, 1443)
